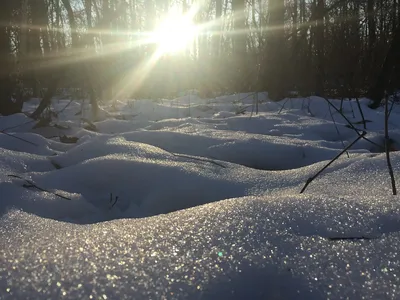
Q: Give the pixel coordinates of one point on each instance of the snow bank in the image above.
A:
(26, 142)
(96, 218)
(258, 248)
(16, 123)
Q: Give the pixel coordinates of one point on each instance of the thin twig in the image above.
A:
(31, 184)
(309, 109)
(387, 146)
(352, 110)
(113, 202)
(65, 107)
(351, 238)
(392, 106)
(309, 180)
(351, 125)
(361, 113)
(337, 130)
(255, 104)
(199, 159)
(283, 106)
(18, 138)
(341, 104)
(245, 97)
(19, 125)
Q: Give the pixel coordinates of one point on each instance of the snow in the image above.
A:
(191, 199)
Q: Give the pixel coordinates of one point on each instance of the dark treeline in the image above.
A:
(328, 47)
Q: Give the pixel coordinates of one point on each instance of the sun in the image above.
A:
(174, 33)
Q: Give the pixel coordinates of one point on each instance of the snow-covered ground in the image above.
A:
(199, 199)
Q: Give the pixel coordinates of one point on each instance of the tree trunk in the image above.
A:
(392, 60)
(88, 11)
(239, 40)
(7, 106)
(39, 24)
(46, 101)
(89, 44)
(320, 47)
(217, 28)
(294, 44)
(239, 44)
(394, 16)
(371, 25)
(107, 40)
(275, 56)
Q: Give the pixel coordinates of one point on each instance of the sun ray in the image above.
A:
(137, 76)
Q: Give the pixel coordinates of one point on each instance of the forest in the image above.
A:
(339, 48)
(199, 149)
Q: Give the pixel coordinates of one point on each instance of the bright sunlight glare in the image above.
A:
(174, 33)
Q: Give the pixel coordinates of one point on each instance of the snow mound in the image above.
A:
(26, 142)
(262, 248)
(16, 123)
(105, 145)
(256, 151)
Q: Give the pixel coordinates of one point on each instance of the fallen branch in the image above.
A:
(309, 180)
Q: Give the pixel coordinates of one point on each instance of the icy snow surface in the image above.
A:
(190, 199)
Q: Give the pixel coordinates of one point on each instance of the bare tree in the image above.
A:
(7, 82)
(392, 61)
